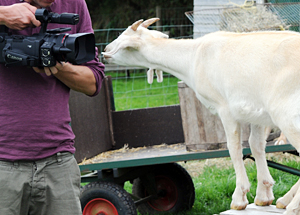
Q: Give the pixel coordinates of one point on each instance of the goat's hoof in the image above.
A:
(238, 207)
(259, 202)
(280, 205)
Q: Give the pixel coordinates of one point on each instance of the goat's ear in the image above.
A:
(135, 25)
(158, 34)
(131, 42)
(149, 22)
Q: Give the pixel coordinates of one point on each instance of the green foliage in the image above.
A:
(120, 14)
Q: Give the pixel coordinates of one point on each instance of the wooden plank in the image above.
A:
(91, 123)
(110, 106)
(202, 129)
(114, 67)
(252, 209)
(149, 126)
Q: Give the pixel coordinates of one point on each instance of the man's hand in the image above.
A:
(19, 16)
(51, 70)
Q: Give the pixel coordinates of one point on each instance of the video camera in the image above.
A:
(48, 46)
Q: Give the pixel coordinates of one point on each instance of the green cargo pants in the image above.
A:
(50, 186)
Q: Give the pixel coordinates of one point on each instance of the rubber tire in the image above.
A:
(111, 192)
(183, 181)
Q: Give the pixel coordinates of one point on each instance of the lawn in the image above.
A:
(133, 92)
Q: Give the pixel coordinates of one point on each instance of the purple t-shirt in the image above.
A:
(34, 110)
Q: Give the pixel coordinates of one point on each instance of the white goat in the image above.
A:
(244, 77)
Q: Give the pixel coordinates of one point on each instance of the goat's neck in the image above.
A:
(171, 56)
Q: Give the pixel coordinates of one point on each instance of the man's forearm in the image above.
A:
(78, 78)
(2, 15)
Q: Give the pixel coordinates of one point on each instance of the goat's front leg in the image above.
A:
(233, 134)
(264, 192)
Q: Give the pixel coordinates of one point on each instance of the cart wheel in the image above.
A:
(175, 189)
(106, 198)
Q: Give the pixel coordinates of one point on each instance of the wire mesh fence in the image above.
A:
(132, 91)
(246, 18)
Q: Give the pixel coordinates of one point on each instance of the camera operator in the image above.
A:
(38, 172)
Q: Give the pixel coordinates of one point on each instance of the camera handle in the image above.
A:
(58, 30)
(45, 17)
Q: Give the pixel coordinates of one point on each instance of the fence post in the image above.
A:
(158, 14)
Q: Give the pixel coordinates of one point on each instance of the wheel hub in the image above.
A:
(100, 206)
(167, 194)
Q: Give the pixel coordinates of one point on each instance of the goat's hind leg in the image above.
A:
(291, 200)
(282, 202)
(265, 182)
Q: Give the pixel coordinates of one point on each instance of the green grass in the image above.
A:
(214, 187)
(135, 92)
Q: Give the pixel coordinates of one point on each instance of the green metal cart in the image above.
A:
(159, 183)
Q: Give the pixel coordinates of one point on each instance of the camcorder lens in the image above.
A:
(76, 48)
(73, 48)
(82, 46)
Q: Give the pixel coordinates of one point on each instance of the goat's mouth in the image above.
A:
(106, 56)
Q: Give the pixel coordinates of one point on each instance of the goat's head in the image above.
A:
(125, 49)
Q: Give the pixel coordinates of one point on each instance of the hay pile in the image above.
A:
(127, 153)
(247, 19)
